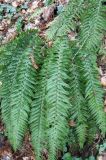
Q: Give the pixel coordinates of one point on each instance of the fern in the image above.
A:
(93, 25)
(19, 80)
(90, 39)
(46, 89)
(79, 110)
(58, 97)
(93, 91)
(38, 117)
(20, 96)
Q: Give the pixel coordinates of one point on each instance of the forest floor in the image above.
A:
(21, 15)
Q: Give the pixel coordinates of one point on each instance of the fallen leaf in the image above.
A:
(48, 13)
(72, 35)
(34, 4)
(1, 28)
(32, 158)
(25, 158)
(72, 123)
(15, 4)
(105, 109)
(105, 101)
(103, 81)
(23, 11)
(21, 1)
(100, 71)
(33, 62)
(63, 1)
(50, 43)
(30, 10)
(99, 158)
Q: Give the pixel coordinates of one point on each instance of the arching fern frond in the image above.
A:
(38, 117)
(93, 91)
(79, 111)
(18, 86)
(58, 97)
(89, 41)
(21, 93)
(93, 25)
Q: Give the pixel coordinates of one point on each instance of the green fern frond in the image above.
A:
(79, 111)
(93, 25)
(65, 21)
(57, 98)
(21, 93)
(38, 117)
(93, 91)
(18, 86)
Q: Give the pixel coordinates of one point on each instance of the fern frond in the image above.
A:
(57, 98)
(65, 21)
(21, 93)
(38, 118)
(79, 111)
(93, 25)
(18, 88)
(93, 91)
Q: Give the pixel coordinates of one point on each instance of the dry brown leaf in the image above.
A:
(72, 123)
(30, 10)
(5, 152)
(103, 81)
(21, 1)
(102, 157)
(32, 158)
(11, 34)
(4, 25)
(23, 11)
(99, 158)
(48, 13)
(105, 109)
(1, 28)
(34, 4)
(63, 1)
(50, 43)
(105, 101)
(72, 35)
(25, 158)
(15, 4)
(33, 62)
(100, 71)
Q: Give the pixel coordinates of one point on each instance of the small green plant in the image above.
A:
(55, 91)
